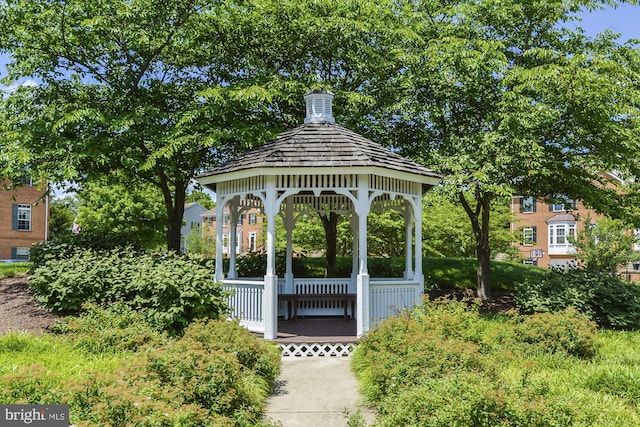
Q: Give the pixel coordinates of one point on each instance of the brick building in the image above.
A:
(248, 230)
(546, 230)
(24, 219)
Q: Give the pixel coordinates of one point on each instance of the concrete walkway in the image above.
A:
(316, 392)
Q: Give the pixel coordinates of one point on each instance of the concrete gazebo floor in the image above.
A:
(317, 330)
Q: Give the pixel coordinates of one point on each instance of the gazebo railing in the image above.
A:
(246, 302)
(388, 297)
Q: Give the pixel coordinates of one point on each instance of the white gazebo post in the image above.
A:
(408, 267)
(270, 298)
(233, 228)
(362, 207)
(289, 223)
(219, 273)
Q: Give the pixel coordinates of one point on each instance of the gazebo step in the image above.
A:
(317, 349)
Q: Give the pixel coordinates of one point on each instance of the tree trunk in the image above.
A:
(174, 202)
(330, 224)
(480, 225)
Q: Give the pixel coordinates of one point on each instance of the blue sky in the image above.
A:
(624, 20)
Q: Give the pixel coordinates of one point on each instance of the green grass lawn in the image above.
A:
(13, 269)
(439, 272)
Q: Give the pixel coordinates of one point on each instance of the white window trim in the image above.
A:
(528, 207)
(253, 241)
(24, 217)
(528, 236)
(569, 232)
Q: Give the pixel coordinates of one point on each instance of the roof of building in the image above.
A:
(320, 144)
(562, 218)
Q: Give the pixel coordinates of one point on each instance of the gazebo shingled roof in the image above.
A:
(320, 144)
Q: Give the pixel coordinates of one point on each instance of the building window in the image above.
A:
(225, 219)
(194, 224)
(225, 243)
(529, 235)
(253, 218)
(636, 234)
(241, 219)
(527, 205)
(253, 237)
(563, 206)
(20, 254)
(25, 180)
(530, 261)
(561, 234)
(22, 217)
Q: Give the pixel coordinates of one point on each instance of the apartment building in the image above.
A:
(24, 219)
(546, 231)
(248, 230)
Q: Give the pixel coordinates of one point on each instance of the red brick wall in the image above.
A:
(245, 229)
(9, 238)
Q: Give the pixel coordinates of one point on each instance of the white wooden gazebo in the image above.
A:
(323, 167)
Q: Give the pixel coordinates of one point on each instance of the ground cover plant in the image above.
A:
(113, 368)
(447, 364)
(170, 290)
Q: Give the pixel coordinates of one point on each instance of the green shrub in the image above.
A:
(464, 399)
(170, 290)
(67, 245)
(253, 354)
(447, 364)
(566, 333)
(115, 328)
(254, 264)
(217, 374)
(608, 300)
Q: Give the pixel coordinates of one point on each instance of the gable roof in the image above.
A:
(320, 144)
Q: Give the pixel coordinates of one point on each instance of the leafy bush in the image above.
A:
(68, 245)
(217, 374)
(608, 300)
(254, 265)
(170, 290)
(566, 333)
(446, 364)
(115, 328)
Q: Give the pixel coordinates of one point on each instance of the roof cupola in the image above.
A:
(319, 106)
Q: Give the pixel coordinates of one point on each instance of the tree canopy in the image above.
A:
(501, 97)
(504, 98)
(159, 93)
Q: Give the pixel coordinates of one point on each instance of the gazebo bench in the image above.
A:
(293, 300)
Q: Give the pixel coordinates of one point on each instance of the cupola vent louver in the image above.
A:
(319, 107)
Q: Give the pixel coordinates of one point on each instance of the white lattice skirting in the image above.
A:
(317, 350)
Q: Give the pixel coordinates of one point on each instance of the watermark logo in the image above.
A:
(34, 415)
